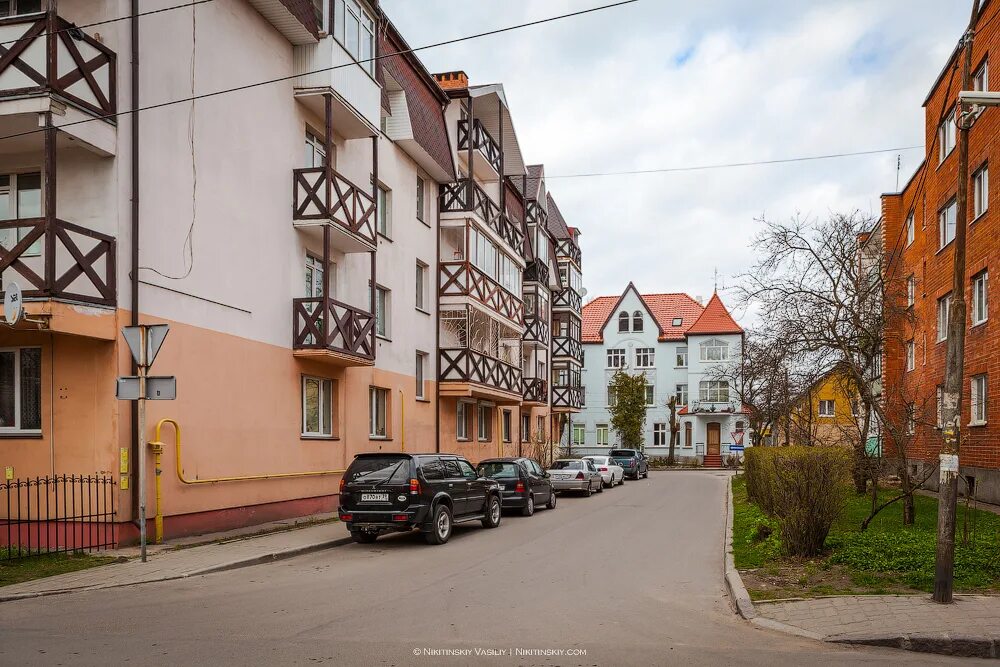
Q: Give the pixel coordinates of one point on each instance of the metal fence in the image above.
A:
(60, 514)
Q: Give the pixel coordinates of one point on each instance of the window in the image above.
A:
(946, 223)
(682, 395)
(540, 423)
(939, 421)
(911, 355)
(909, 229)
(616, 358)
(420, 372)
(980, 191)
(713, 391)
(19, 7)
(826, 408)
(525, 428)
(943, 306)
(378, 400)
(650, 395)
(317, 407)
(421, 203)
(463, 420)
(382, 311)
(20, 198)
(356, 31)
(977, 400)
(384, 212)
(911, 419)
(315, 151)
(687, 434)
(485, 422)
(21, 389)
(505, 423)
(677, 321)
(644, 357)
(602, 435)
(980, 310)
(981, 79)
(314, 277)
(946, 137)
(660, 435)
(911, 291)
(421, 286)
(637, 321)
(714, 350)
(623, 322)
(682, 357)
(579, 434)
(612, 397)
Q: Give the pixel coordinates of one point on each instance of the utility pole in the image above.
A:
(951, 413)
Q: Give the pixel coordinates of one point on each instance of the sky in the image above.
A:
(674, 83)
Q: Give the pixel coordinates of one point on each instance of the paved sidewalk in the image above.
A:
(166, 563)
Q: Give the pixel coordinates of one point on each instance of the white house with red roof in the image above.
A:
(680, 346)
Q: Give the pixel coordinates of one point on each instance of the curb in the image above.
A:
(734, 583)
(212, 569)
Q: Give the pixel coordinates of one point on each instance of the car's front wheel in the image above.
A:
(529, 506)
(552, 500)
(440, 526)
(492, 518)
(363, 538)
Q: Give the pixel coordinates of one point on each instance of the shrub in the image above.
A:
(803, 488)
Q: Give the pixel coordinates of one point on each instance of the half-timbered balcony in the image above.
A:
(535, 213)
(567, 347)
(537, 271)
(466, 372)
(570, 250)
(466, 279)
(535, 391)
(536, 330)
(348, 209)
(466, 196)
(485, 150)
(339, 333)
(567, 399)
(567, 299)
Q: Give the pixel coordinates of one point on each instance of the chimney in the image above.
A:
(453, 80)
(700, 299)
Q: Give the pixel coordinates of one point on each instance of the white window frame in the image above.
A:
(645, 357)
(612, 397)
(939, 420)
(366, 31)
(981, 77)
(462, 421)
(660, 434)
(324, 396)
(421, 199)
(383, 309)
(378, 395)
(316, 147)
(624, 319)
(650, 395)
(980, 297)
(911, 418)
(506, 425)
(384, 220)
(16, 427)
(827, 407)
(525, 427)
(978, 400)
(980, 192)
(947, 220)
(947, 135)
(616, 357)
(720, 346)
(911, 355)
(13, 193)
(910, 229)
(911, 290)
(579, 434)
(420, 374)
(681, 393)
(943, 310)
(602, 435)
(420, 278)
(484, 427)
(713, 391)
(682, 356)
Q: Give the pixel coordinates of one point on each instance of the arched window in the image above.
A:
(622, 321)
(637, 321)
(715, 350)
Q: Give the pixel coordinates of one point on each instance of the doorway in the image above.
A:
(714, 440)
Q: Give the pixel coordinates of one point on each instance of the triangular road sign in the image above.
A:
(155, 333)
(133, 336)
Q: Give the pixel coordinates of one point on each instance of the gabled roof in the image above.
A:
(556, 222)
(715, 319)
(664, 308)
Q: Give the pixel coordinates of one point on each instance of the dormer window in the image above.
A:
(637, 321)
(677, 321)
(715, 350)
(623, 322)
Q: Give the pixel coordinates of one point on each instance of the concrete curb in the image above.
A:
(734, 583)
(212, 569)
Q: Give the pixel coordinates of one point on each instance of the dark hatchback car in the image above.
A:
(384, 493)
(525, 485)
(634, 462)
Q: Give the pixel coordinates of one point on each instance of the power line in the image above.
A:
(258, 84)
(73, 27)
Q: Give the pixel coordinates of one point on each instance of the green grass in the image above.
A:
(884, 558)
(45, 565)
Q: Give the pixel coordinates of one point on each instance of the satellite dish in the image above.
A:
(583, 291)
(13, 308)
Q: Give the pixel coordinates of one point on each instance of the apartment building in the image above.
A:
(685, 350)
(918, 231)
(287, 233)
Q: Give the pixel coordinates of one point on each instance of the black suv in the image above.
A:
(634, 462)
(523, 481)
(383, 493)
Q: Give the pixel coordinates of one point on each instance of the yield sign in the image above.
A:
(155, 334)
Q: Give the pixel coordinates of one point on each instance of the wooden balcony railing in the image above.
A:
(535, 390)
(465, 365)
(55, 259)
(567, 248)
(566, 346)
(349, 206)
(64, 61)
(347, 330)
(535, 213)
(537, 271)
(481, 141)
(536, 330)
(466, 279)
(567, 397)
(465, 195)
(567, 299)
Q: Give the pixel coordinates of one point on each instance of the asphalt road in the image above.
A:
(632, 576)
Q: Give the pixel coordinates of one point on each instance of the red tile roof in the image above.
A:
(715, 319)
(664, 307)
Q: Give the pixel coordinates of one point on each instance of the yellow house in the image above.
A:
(824, 414)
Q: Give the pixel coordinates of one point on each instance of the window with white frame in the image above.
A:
(579, 434)
(623, 322)
(315, 151)
(980, 306)
(681, 393)
(20, 7)
(946, 136)
(505, 425)
(485, 419)
(540, 428)
(911, 290)
(980, 191)
(525, 428)
(463, 420)
(946, 223)
(677, 321)
(20, 198)
(612, 396)
(378, 400)
(382, 304)
(978, 398)
(355, 30)
(943, 307)
(21, 390)
(910, 229)
(421, 199)
(660, 435)
(317, 406)
(602, 435)
(911, 355)
(939, 419)
(421, 286)
(981, 79)
(713, 391)
(650, 395)
(420, 373)
(826, 408)
(616, 358)
(384, 212)
(714, 350)
(644, 357)
(911, 418)
(637, 321)
(682, 357)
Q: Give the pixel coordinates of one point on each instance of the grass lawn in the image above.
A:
(46, 565)
(886, 558)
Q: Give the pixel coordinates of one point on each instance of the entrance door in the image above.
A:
(714, 439)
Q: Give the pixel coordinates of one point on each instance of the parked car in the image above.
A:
(384, 493)
(525, 485)
(611, 472)
(635, 463)
(575, 475)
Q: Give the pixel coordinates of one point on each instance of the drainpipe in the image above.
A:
(437, 329)
(134, 306)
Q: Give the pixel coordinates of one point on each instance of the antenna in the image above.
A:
(715, 280)
(899, 164)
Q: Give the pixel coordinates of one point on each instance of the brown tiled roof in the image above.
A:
(715, 319)
(557, 224)
(664, 308)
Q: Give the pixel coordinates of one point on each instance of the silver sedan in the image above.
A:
(611, 472)
(575, 475)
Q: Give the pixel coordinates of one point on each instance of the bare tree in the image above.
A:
(675, 429)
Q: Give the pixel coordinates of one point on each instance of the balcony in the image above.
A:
(536, 330)
(341, 334)
(466, 196)
(325, 67)
(486, 151)
(569, 249)
(535, 390)
(337, 202)
(567, 399)
(466, 279)
(567, 347)
(713, 407)
(567, 299)
(537, 271)
(472, 373)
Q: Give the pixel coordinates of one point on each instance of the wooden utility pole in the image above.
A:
(951, 412)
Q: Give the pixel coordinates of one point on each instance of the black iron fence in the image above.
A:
(64, 513)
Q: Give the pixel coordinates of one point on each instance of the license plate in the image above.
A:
(374, 497)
